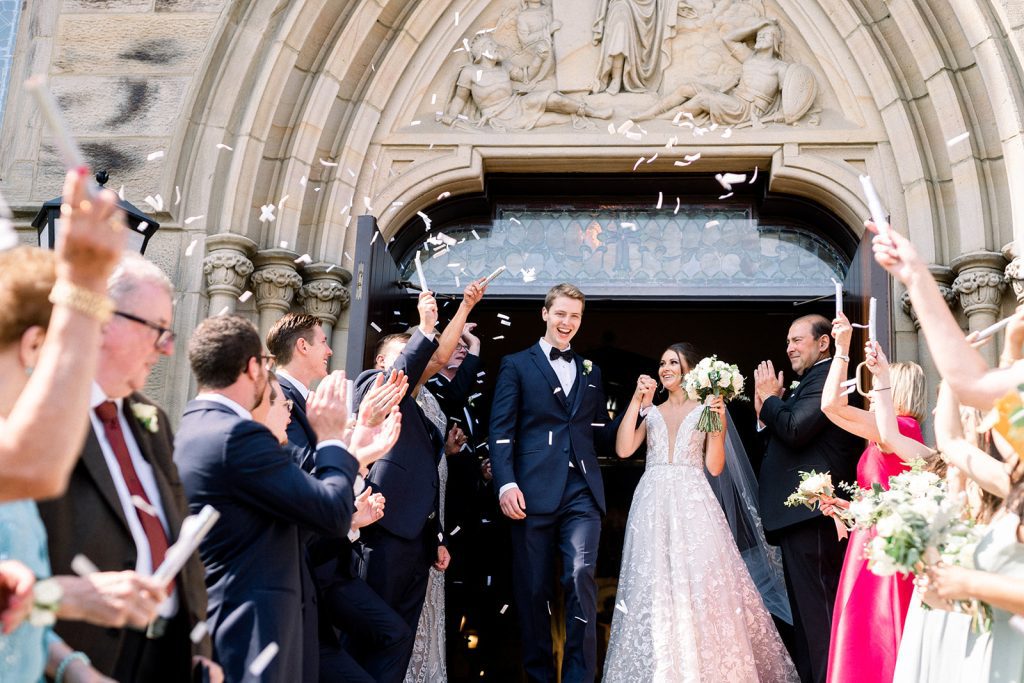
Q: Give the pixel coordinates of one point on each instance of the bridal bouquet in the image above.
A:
(814, 486)
(712, 377)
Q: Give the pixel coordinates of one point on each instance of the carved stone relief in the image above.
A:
(552, 62)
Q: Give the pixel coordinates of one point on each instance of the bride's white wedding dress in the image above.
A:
(686, 608)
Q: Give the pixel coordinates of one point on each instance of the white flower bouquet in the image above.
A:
(814, 486)
(712, 377)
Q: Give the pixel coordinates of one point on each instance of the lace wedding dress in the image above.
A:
(429, 660)
(686, 608)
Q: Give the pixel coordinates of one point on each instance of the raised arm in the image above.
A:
(630, 434)
(714, 452)
(959, 364)
(472, 295)
(833, 398)
(965, 456)
(891, 440)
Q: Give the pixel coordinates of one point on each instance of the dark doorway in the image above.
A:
(625, 338)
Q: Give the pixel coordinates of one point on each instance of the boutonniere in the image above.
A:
(794, 384)
(147, 416)
(587, 367)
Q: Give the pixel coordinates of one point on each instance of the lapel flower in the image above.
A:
(794, 385)
(587, 367)
(147, 416)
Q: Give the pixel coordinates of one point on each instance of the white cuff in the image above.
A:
(761, 426)
(331, 442)
(353, 535)
(507, 487)
(358, 485)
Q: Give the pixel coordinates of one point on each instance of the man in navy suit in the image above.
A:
(378, 636)
(549, 406)
(253, 558)
(801, 438)
(397, 551)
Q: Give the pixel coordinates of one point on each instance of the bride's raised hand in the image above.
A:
(717, 405)
(643, 393)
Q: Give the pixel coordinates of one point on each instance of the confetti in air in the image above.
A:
(414, 123)
(156, 202)
(711, 224)
(245, 296)
(529, 274)
(83, 566)
(753, 177)
(284, 244)
(503, 609)
(266, 213)
(727, 180)
(677, 207)
(305, 258)
(177, 195)
(621, 606)
(426, 219)
(958, 139)
(143, 505)
(475, 234)
(328, 164)
(443, 195)
(302, 181)
(190, 248)
(375, 326)
(499, 337)
(661, 198)
(726, 195)
(727, 133)
(198, 632)
(221, 145)
(366, 201)
(192, 219)
(638, 162)
(263, 660)
(153, 156)
(225, 310)
(455, 531)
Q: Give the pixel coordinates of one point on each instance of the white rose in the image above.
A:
(889, 526)
(704, 380)
(737, 383)
(921, 483)
(879, 562)
(815, 484)
(724, 382)
(861, 509)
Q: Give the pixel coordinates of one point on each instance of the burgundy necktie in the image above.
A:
(107, 413)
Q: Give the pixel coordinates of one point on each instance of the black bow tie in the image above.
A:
(555, 354)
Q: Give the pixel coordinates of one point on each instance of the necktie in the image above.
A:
(154, 530)
(555, 354)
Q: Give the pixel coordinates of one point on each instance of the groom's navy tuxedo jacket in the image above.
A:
(536, 430)
(801, 438)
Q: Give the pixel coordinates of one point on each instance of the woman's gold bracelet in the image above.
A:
(84, 301)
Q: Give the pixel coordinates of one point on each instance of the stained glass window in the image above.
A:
(9, 10)
(696, 251)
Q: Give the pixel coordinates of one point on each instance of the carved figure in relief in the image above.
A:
(486, 87)
(535, 28)
(633, 36)
(765, 82)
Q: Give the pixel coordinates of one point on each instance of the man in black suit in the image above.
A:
(376, 634)
(801, 438)
(398, 551)
(253, 556)
(125, 504)
(548, 419)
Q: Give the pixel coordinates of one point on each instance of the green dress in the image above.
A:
(999, 552)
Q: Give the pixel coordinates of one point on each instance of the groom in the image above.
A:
(547, 404)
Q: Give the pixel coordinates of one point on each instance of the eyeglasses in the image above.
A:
(164, 336)
(269, 361)
(287, 403)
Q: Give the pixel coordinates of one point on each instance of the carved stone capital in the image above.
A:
(1015, 276)
(980, 281)
(908, 308)
(275, 280)
(944, 277)
(227, 264)
(324, 295)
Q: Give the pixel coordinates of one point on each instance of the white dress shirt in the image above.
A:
(303, 389)
(143, 554)
(566, 373)
(225, 401)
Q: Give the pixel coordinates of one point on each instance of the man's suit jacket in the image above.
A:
(452, 395)
(407, 474)
(300, 432)
(801, 438)
(536, 430)
(253, 555)
(89, 519)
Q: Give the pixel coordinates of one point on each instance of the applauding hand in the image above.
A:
(369, 508)
(327, 407)
(766, 383)
(382, 397)
(369, 444)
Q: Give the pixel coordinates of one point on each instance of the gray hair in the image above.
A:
(133, 271)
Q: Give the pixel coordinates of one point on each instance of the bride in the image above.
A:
(687, 608)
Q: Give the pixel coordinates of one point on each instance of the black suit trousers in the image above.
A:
(812, 556)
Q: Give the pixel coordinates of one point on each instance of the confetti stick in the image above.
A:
(263, 660)
(878, 215)
(70, 153)
(83, 566)
(496, 273)
(839, 297)
(419, 274)
(872, 336)
(193, 530)
(992, 329)
(245, 296)
(350, 390)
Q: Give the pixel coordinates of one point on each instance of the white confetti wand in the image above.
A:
(878, 215)
(193, 530)
(992, 329)
(496, 273)
(70, 153)
(419, 274)
(872, 307)
(839, 297)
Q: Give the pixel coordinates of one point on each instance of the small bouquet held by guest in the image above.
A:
(815, 489)
(712, 377)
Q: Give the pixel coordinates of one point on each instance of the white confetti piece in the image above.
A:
(443, 195)
(192, 219)
(753, 177)
(83, 566)
(302, 181)
(681, 163)
(726, 195)
(221, 145)
(348, 256)
(580, 619)
(529, 274)
(456, 18)
(633, 136)
(375, 326)
(584, 466)
(499, 337)
(305, 258)
(351, 172)
(266, 213)
(727, 133)
(328, 164)
(671, 142)
(557, 389)
(661, 199)
(263, 659)
(958, 139)
(156, 202)
(440, 537)
(366, 203)
(120, 192)
(652, 158)
(503, 316)
(597, 424)
(414, 123)
(621, 606)
(143, 505)
(191, 247)
(426, 219)
(481, 373)
(506, 323)
(711, 224)
(373, 238)
(549, 607)
(503, 609)
(153, 156)
(638, 162)
(727, 180)
(677, 207)
(224, 311)
(283, 199)
(611, 129)
(455, 531)
(692, 157)
(626, 126)
(433, 98)
(503, 441)
(551, 437)
(245, 296)
(627, 224)
(571, 465)
(513, 219)
(199, 632)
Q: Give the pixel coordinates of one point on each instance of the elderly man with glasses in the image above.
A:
(124, 504)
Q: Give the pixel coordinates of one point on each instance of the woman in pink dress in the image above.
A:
(868, 618)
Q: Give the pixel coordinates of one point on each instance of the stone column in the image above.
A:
(980, 284)
(275, 283)
(226, 268)
(325, 295)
